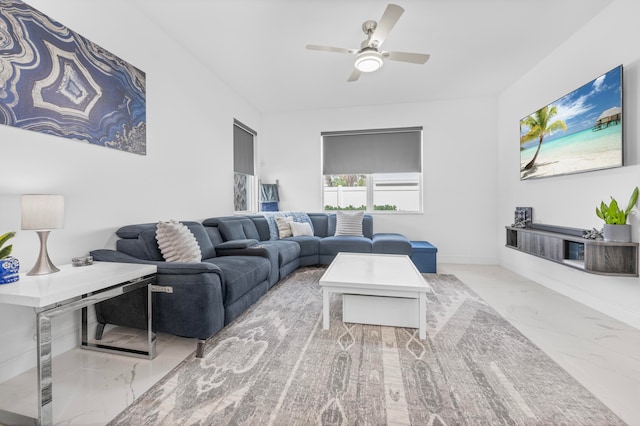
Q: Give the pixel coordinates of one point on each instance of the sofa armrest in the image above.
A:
(390, 243)
(192, 308)
(164, 268)
(257, 249)
(236, 244)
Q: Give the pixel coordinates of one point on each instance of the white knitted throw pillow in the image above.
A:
(301, 228)
(177, 243)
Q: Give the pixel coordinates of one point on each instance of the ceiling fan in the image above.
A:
(369, 58)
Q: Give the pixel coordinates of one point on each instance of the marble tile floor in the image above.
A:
(91, 388)
(601, 353)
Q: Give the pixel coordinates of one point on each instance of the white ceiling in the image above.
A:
(477, 47)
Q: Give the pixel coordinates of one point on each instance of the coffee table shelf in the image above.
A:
(378, 289)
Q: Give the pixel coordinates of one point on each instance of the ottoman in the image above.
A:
(423, 255)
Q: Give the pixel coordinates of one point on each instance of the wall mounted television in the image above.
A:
(580, 132)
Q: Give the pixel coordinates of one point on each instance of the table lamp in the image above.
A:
(41, 213)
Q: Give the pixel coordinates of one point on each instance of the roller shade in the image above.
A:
(242, 149)
(372, 151)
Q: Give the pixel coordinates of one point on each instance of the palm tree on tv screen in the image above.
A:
(539, 126)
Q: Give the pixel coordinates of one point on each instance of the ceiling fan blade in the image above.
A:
(414, 58)
(354, 75)
(330, 49)
(391, 15)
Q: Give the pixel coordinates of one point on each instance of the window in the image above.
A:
(373, 170)
(243, 167)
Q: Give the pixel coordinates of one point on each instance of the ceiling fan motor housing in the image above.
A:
(369, 27)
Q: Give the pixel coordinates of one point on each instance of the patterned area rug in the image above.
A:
(275, 365)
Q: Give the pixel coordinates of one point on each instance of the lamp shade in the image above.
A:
(42, 211)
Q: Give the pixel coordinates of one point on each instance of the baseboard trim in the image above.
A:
(468, 260)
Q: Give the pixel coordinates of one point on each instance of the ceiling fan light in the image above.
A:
(368, 61)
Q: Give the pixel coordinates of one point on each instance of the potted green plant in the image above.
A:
(616, 227)
(9, 266)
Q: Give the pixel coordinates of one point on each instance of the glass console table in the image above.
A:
(71, 289)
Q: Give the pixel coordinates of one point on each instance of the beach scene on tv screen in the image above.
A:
(582, 131)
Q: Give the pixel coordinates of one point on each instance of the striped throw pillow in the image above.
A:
(284, 227)
(349, 223)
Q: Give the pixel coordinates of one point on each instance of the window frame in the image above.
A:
(370, 196)
(252, 181)
(371, 177)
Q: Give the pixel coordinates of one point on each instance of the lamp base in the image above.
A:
(43, 265)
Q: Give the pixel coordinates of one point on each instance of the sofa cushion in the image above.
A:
(232, 230)
(349, 223)
(177, 243)
(308, 244)
(321, 224)
(134, 231)
(391, 243)
(241, 274)
(288, 250)
(249, 228)
(140, 240)
(214, 236)
(142, 246)
(262, 226)
(351, 244)
(202, 237)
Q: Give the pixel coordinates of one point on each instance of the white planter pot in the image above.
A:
(617, 233)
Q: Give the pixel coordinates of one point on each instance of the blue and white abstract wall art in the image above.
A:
(54, 81)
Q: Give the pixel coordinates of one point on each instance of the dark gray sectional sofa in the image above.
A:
(241, 261)
(319, 249)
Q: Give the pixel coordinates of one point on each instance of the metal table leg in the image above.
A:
(44, 340)
(45, 369)
(149, 353)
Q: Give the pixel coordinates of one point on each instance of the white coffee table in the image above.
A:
(379, 289)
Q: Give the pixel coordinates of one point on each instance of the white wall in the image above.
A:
(469, 191)
(610, 39)
(186, 175)
(460, 169)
